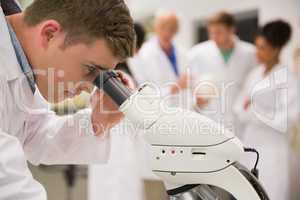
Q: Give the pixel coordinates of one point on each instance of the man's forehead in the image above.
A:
(219, 26)
(101, 54)
(168, 20)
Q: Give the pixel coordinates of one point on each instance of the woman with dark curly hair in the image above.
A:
(268, 106)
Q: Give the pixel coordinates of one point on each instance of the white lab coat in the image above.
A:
(156, 67)
(268, 121)
(136, 66)
(29, 131)
(207, 64)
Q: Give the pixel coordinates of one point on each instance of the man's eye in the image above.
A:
(90, 70)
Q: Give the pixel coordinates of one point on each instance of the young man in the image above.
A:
(46, 52)
(220, 65)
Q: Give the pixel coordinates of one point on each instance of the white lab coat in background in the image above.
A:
(137, 66)
(29, 131)
(157, 68)
(128, 167)
(268, 121)
(207, 65)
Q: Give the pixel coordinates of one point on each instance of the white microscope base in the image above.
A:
(229, 179)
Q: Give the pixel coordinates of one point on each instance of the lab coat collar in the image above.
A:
(236, 42)
(277, 67)
(236, 47)
(9, 63)
(155, 40)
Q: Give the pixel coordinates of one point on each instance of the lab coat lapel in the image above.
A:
(165, 63)
(17, 94)
(219, 66)
(9, 66)
(219, 57)
(235, 63)
(235, 56)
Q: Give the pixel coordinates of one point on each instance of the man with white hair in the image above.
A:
(165, 61)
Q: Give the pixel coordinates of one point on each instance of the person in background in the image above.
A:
(297, 62)
(219, 67)
(268, 106)
(132, 65)
(164, 60)
(295, 155)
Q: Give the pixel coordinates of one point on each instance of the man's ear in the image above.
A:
(50, 29)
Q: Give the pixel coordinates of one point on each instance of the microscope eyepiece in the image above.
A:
(109, 81)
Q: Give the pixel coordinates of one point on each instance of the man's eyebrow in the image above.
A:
(98, 66)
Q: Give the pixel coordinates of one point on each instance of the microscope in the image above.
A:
(189, 152)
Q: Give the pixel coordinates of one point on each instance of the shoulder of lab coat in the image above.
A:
(137, 67)
(247, 51)
(198, 50)
(205, 58)
(201, 47)
(16, 181)
(181, 53)
(151, 48)
(46, 138)
(244, 49)
(246, 46)
(201, 53)
(145, 56)
(148, 47)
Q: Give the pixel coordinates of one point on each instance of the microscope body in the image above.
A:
(188, 148)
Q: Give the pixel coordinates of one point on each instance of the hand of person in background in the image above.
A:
(105, 112)
(202, 101)
(206, 92)
(181, 84)
(247, 104)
